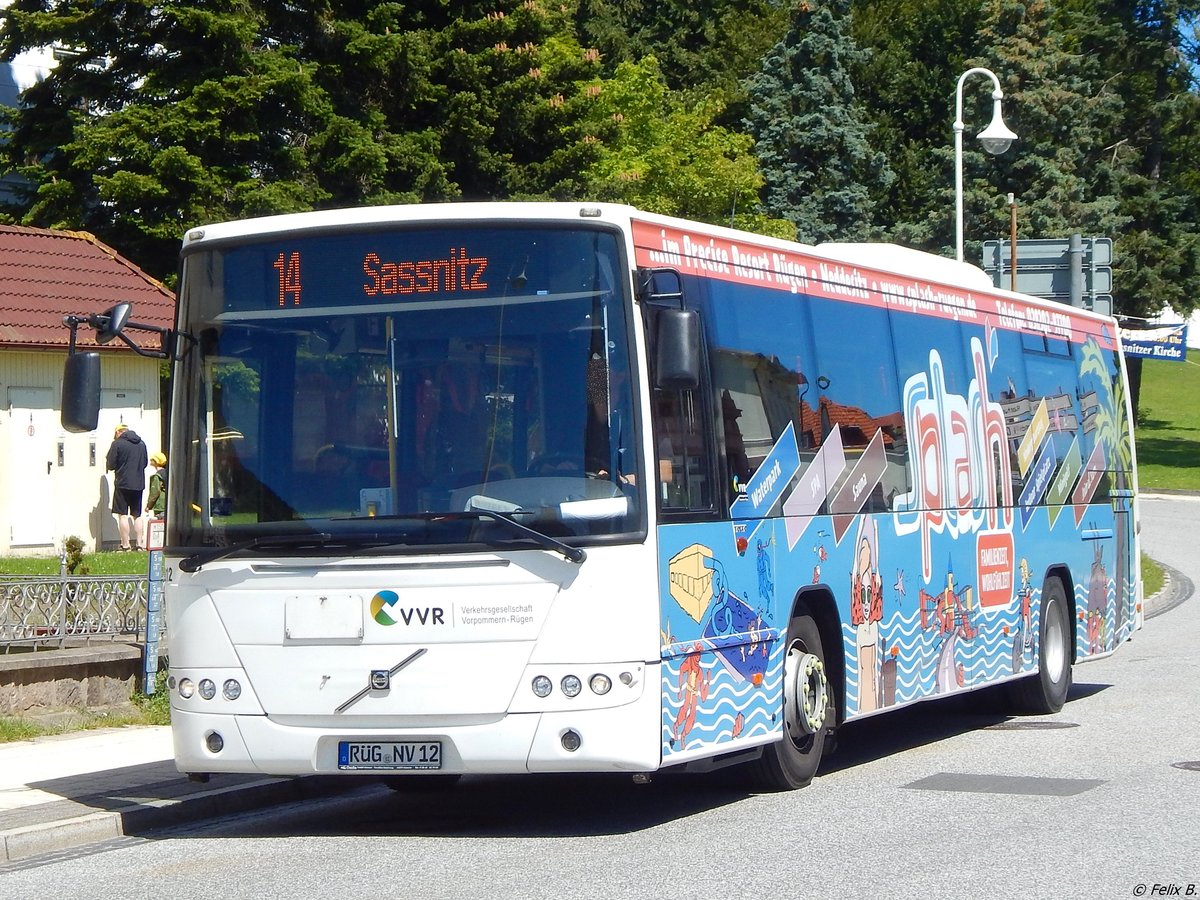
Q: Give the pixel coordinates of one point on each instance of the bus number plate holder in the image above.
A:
(389, 755)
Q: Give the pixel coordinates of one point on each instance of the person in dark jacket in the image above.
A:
(127, 458)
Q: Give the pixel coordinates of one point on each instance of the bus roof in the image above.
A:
(878, 256)
(425, 212)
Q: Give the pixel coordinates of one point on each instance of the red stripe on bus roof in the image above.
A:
(745, 262)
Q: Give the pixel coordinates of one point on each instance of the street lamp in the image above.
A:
(996, 138)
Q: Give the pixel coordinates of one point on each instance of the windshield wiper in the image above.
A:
(571, 554)
(212, 554)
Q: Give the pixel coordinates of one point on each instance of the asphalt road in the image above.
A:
(942, 800)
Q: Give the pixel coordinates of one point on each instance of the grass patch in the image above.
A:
(1168, 432)
(1152, 577)
(131, 563)
(14, 728)
(155, 709)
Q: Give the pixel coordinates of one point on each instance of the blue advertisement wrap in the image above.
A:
(931, 598)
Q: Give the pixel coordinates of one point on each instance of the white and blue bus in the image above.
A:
(508, 488)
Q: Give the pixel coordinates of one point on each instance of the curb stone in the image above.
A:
(139, 818)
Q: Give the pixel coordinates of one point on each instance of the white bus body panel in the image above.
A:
(302, 638)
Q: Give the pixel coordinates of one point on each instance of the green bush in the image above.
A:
(74, 549)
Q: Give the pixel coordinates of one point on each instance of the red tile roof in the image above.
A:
(45, 275)
(892, 424)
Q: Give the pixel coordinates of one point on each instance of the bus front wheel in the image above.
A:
(792, 762)
(1046, 692)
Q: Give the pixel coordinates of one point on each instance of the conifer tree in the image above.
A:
(1143, 45)
(700, 45)
(1055, 100)
(812, 139)
(917, 50)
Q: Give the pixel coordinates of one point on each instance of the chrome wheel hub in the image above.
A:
(810, 692)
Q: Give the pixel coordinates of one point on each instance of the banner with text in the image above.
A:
(1164, 342)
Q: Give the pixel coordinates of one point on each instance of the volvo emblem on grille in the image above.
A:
(380, 680)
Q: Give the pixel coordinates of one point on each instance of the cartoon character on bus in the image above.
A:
(1097, 606)
(694, 682)
(866, 612)
(948, 613)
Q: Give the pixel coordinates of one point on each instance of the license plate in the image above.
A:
(389, 754)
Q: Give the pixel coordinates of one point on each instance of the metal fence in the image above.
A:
(57, 611)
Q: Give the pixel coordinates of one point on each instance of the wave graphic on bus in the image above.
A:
(729, 700)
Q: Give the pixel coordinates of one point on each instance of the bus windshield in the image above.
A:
(406, 387)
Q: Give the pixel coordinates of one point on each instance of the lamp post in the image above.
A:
(996, 138)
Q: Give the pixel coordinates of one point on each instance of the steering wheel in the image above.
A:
(559, 464)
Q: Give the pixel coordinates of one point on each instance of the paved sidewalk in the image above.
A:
(61, 792)
(65, 791)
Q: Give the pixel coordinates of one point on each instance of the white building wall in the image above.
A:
(53, 484)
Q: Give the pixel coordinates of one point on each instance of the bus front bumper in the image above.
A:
(619, 739)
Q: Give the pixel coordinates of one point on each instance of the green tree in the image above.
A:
(165, 115)
(1144, 46)
(700, 44)
(664, 155)
(154, 117)
(812, 138)
(1057, 102)
(917, 50)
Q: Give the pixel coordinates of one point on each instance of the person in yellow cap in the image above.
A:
(156, 493)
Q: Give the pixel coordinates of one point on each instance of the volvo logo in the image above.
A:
(380, 679)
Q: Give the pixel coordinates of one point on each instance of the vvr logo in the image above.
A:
(385, 611)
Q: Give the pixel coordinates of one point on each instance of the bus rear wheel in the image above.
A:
(1046, 692)
(807, 708)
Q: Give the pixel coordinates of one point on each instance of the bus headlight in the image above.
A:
(542, 686)
(187, 687)
(231, 689)
(600, 684)
(571, 685)
(208, 688)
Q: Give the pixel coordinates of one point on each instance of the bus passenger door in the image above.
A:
(1125, 566)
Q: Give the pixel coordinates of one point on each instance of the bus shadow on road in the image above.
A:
(523, 806)
(564, 805)
(927, 723)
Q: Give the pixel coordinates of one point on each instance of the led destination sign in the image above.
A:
(355, 269)
(460, 272)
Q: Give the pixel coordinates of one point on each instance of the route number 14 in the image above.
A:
(288, 266)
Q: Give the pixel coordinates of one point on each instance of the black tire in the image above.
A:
(1046, 692)
(792, 762)
(420, 784)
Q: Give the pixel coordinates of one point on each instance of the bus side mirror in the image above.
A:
(677, 350)
(112, 323)
(81, 392)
